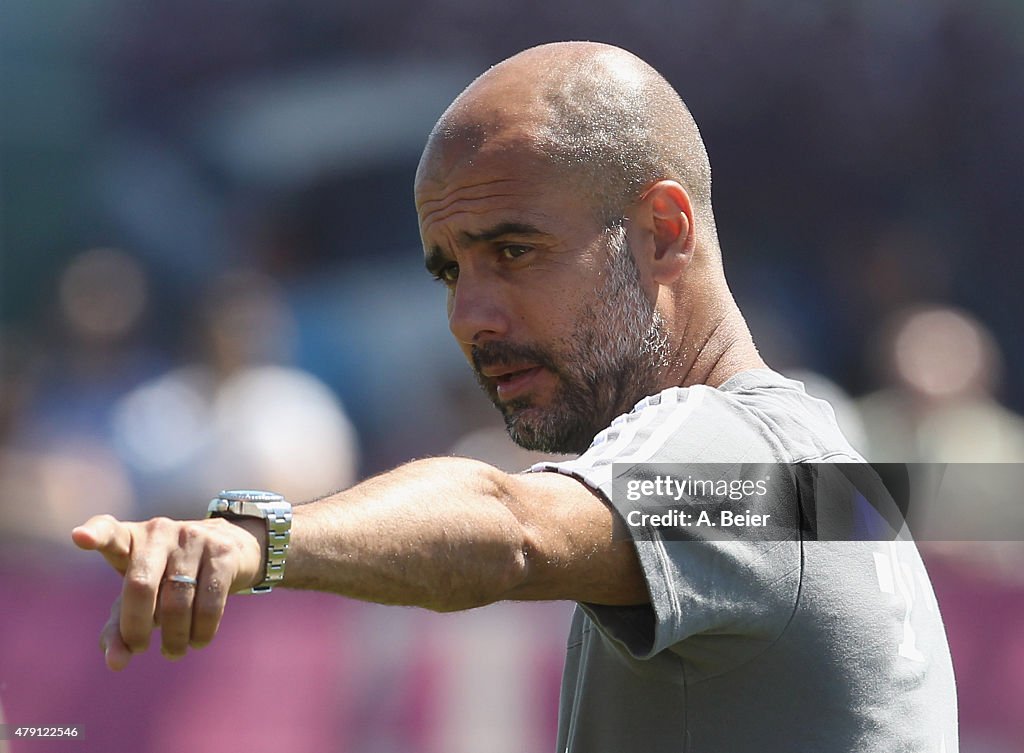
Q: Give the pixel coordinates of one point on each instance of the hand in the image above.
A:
(222, 556)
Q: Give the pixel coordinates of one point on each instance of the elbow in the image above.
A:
(514, 570)
(500, 552)
(516, 546)
(495, 574)
(481, 554)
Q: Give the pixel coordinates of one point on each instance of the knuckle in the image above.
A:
(159, 524)
(174, 642)
(188, 533)
(219, 549)
(139, 584)
(175, 603)
(207, 610)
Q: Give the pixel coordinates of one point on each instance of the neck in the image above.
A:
(719, 351)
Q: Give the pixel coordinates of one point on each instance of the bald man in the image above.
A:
(564, 202)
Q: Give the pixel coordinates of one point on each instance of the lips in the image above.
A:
(503, 372)
(512, 381)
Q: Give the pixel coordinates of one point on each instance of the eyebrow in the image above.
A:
(501, 230)
(435, 258)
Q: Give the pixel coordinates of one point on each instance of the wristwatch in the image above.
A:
(275, 511)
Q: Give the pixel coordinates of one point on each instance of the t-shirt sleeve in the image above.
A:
(713, 602)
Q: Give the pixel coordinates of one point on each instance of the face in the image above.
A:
(546, 303)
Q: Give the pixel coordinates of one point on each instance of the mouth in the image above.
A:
(511, 382)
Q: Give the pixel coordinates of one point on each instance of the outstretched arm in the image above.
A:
(442, 533)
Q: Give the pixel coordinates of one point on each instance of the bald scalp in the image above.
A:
(612, 121)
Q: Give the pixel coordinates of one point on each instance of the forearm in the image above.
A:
(438, 533)
(445, 534)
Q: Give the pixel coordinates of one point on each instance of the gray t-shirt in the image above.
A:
(766, 646)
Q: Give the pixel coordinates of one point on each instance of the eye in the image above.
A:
(513, 252)
(447, 274)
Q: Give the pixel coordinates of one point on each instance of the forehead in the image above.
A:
(457, 181)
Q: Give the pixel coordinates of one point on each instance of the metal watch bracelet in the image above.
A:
(275, 511)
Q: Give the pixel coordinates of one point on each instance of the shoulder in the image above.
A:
(783, 422)
(755, 416)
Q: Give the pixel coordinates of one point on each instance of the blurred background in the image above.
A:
(210, 277)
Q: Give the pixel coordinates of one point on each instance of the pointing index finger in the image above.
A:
(108, 536)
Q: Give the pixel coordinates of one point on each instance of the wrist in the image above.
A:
(255, 572)
(270, 518)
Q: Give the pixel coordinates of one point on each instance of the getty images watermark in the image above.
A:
(676, 489)
(819, 501)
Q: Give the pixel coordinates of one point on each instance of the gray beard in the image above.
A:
(616, 355)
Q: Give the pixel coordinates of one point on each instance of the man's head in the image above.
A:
(564, 200)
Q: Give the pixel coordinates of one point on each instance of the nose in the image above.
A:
(477, 310)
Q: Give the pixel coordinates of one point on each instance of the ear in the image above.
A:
(665, 210)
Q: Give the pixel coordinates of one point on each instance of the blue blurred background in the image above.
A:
(210, 277)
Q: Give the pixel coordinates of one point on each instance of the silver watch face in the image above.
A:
(249, 495)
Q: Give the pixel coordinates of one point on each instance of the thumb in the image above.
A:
(108, 536)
